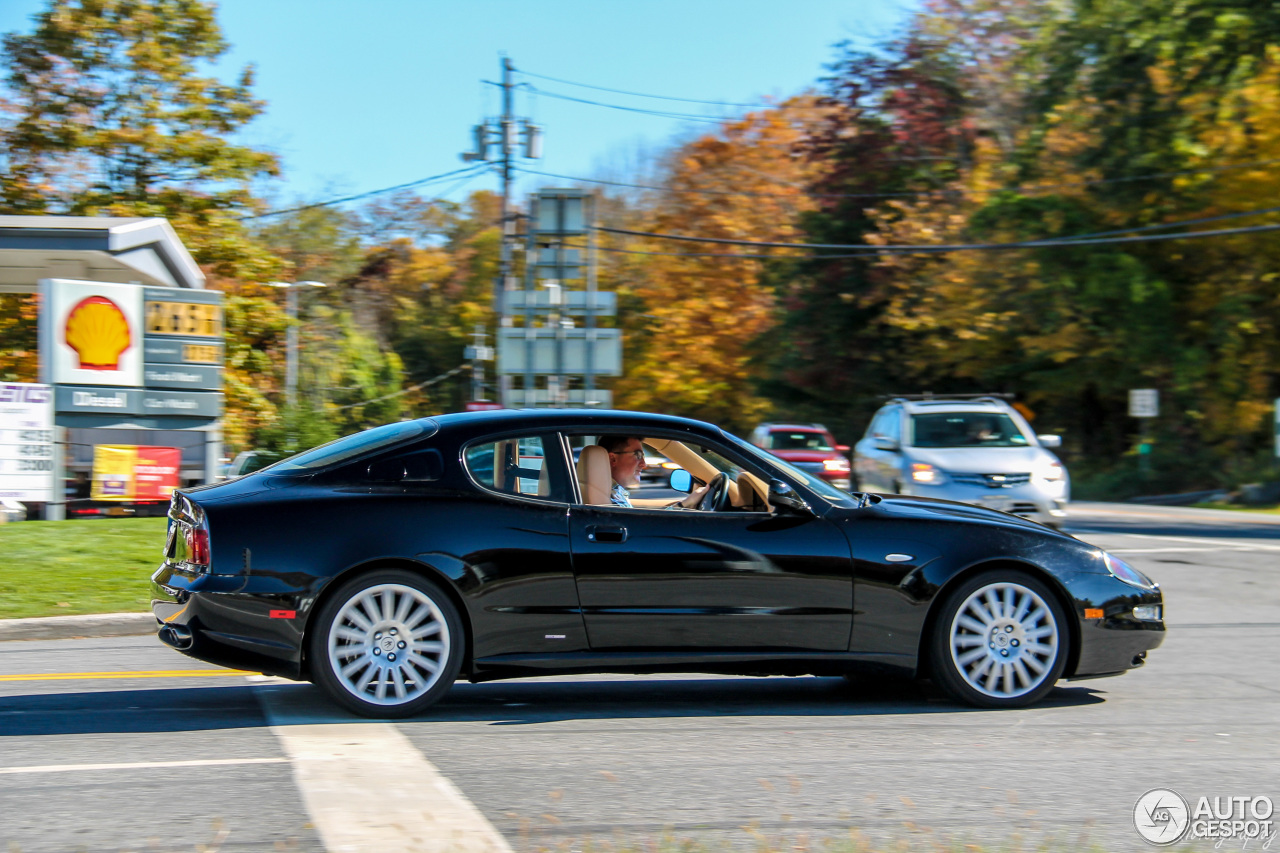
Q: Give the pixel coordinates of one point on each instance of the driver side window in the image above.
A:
(651, 484)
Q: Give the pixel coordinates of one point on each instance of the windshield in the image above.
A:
(355, 445)
(768, 461)
(966, 429)
(798, 440)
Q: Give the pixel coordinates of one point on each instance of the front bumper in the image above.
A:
(1112, 639)
(242, 622)
(1026, 500)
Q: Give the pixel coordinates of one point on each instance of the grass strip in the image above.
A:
(61, 568)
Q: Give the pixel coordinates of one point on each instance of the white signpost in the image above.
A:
(1144, 403)
(26, 442)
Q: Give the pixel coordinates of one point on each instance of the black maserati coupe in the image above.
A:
(384, 565)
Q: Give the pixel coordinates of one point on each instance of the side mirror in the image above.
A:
(842, 448)
(882, 443)
(1050, 440)
(782, 496)
(680, 480)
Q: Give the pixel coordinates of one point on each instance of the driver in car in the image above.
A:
(626, 461)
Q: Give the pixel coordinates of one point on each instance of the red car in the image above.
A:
(809, 447)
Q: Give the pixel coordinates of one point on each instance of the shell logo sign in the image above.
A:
(98, 331)
(91, 333)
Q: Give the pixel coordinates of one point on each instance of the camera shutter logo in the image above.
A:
(1161, 816)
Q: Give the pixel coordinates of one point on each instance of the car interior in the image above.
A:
(747, 493)
(517, 467)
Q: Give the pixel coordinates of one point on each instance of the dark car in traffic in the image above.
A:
(387, 564)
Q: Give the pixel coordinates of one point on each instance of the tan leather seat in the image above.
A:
(594, 475)
(752, 493)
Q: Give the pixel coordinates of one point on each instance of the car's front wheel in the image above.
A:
(1000, 641)
(387, 644)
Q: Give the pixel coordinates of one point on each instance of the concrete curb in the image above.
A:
(70, 627)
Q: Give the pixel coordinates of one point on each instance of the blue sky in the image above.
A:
(365, 95)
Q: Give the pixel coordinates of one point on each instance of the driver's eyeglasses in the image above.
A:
(638, 454)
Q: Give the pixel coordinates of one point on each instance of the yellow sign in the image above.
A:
(188, 319)
(202, 353)
(126, 472)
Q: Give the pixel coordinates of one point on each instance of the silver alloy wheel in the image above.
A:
(1004, 640)
(388, 644)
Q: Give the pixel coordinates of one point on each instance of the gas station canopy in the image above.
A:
(144, 250)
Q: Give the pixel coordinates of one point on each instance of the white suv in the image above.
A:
(979, 451)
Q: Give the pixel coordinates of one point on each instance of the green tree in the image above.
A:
(107, 113)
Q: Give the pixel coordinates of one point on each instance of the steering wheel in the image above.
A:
(716, 498)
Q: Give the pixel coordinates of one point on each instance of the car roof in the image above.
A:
(987, 405)
(612, 419)
(794, 427)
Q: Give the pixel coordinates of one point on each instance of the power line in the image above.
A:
(864, 249)
(734, 255)
(640, 94)
(660, 113)
(1179, 224)
(1029, 188)
(410, 185)
(402, 392)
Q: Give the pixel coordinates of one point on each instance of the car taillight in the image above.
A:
(198, 546)
(840, 465)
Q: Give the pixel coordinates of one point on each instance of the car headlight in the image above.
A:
(1053, 472)
(923, 472)
(1122, 571)
(840, 465)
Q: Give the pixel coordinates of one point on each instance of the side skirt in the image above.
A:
(715, 663)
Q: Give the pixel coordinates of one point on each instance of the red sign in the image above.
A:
(481, 405)
(155, 474)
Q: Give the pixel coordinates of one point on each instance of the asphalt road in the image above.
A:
(190, 758)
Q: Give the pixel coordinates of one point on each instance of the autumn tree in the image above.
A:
(692, 348)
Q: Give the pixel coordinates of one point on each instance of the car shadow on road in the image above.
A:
(508, 703)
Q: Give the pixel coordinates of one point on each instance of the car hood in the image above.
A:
(944, 510)
(983, 460)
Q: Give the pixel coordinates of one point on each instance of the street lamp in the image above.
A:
(291, 350)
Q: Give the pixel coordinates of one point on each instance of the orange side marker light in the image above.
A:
(1093, 613)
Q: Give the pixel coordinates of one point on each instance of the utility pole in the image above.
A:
(507, 131)
(479, 354)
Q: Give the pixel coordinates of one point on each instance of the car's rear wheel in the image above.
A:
(1000, 641)
(387, 644)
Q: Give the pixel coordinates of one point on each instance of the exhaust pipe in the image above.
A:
(178, 636)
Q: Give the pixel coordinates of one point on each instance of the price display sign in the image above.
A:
(26, 442)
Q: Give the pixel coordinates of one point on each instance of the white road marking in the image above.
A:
(1165, 550)
(367, 788)
(1226, 544)
(137, 765)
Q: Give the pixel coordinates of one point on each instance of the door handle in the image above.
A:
(606, 533)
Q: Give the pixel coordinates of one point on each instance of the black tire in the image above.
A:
(1000, 641)
(405, 631)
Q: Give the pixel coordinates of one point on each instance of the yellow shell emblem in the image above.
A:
(98, 331)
